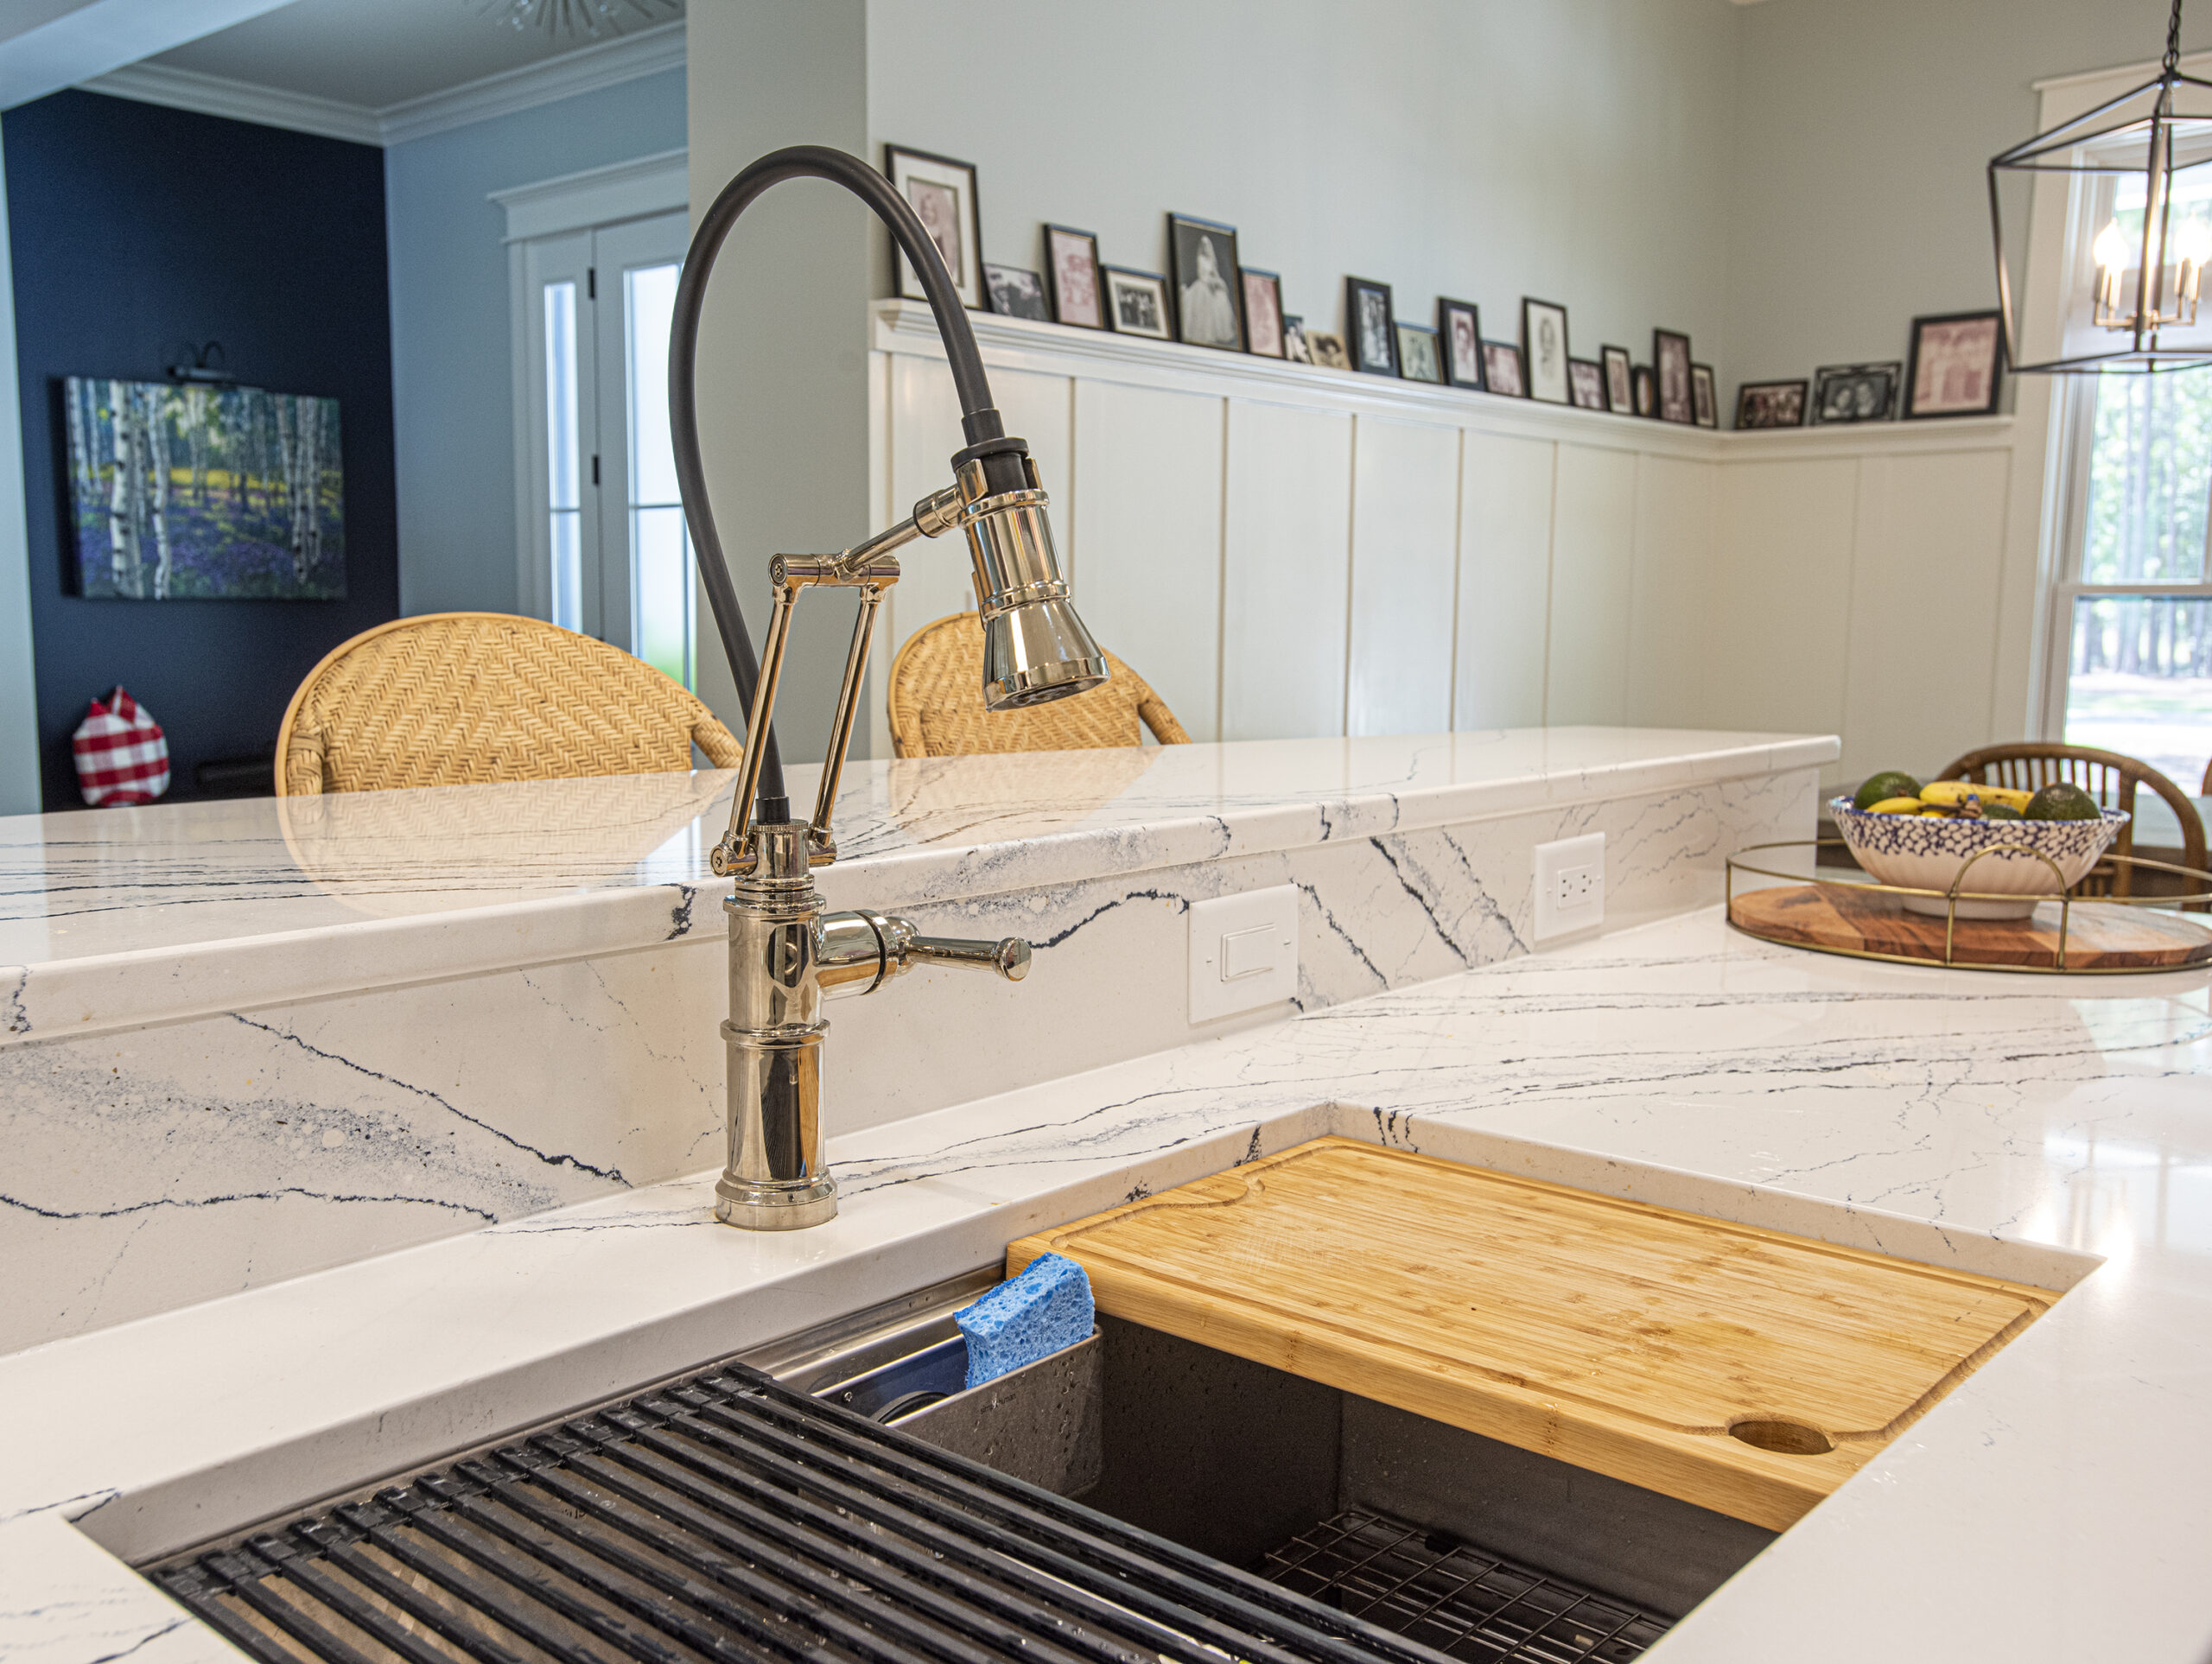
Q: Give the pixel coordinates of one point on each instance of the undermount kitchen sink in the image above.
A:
(1502, 1409)
(728, 1514)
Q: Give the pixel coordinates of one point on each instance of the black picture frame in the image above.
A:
(1261, 295)
(1854, 392)
(1368, 309)
(1645, 390)
(1459, 324)
(1620, 381)
(1763, 405)
(1420, 352)
(1293, 339)
(1986, 326)
(1502, 373)
(967, 271)
(1193, 243)
(1670, 371)
(1116, 281)
(1062, 286)
(1586, 380)
(1015, 292)
(1705, 395)
(1544, 350)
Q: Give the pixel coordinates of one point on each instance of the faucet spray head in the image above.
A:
(1035, 646)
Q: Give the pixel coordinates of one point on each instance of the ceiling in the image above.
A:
(379, 52)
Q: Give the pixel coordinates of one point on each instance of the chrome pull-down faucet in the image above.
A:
(786, 956)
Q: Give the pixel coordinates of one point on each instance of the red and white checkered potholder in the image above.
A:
(121, 755)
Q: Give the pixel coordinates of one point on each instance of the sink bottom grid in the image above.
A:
(1455, 1598)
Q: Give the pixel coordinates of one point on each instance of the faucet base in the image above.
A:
(776, 1207)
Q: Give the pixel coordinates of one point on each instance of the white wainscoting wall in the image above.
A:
(1283, 551)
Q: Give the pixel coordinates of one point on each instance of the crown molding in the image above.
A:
(587, 70)
(625, 58)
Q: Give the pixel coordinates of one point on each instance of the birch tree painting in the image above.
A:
(205, 493)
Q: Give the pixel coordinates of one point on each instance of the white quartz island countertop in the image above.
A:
(2056, 1506)
(116, 916)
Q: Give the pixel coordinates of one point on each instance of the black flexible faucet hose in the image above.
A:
(980, 419)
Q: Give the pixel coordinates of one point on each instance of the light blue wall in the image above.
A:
(19, 787)
(452, 385)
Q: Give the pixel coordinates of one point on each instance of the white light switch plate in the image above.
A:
(1570, 886)
(1243, 952)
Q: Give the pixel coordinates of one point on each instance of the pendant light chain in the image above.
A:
(2173, 39)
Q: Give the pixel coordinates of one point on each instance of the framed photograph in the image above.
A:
(1420, 353)
(1016, 293)
(1208, 312)
(1958, 361)
(1704, 400)
(1620, 390)
(1502, 369)
(1328, 349)
(943, 193)
(1543, 346)
(1856, 392)
(1071, 270)
(1370, 327)
(1771, 404)
(1136, 302)
(1263, 313)
(1670, 361)
(1461, 326)
(1646, 386)
(1294, 341)
(139, 538)
(1586, 381)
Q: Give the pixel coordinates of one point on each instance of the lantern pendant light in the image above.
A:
(2139, 156)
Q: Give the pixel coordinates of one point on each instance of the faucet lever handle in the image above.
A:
(1009, 956)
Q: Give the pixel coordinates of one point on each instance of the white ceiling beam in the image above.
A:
(44, 48)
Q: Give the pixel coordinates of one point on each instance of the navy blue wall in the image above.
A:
(136, 228)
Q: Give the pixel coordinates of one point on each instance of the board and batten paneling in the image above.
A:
(1286, 551)
(1287, 541)
(1144, 539)
(1405, 555)
(1505, 561)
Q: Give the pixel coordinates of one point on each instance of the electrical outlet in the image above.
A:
(1570, 886)
(1243, 952)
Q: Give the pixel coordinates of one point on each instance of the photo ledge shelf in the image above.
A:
(904, 328)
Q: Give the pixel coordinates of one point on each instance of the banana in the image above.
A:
(1950, 794)
(1896, 806)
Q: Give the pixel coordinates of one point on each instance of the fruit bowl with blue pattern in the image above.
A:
(1928, 846)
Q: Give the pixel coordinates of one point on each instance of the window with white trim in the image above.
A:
(2129, 655)
(606, 524)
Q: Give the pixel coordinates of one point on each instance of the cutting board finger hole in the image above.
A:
(1782, 1437)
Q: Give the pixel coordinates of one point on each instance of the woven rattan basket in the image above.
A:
(467, 698)
(936, 703)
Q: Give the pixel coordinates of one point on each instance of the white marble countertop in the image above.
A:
(115, 916)
(2056, 1506)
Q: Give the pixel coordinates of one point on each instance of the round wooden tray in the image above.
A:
(1868, 921)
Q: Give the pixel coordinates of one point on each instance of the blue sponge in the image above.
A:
(1046, 1308)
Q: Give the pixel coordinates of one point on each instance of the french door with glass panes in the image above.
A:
(612, 556)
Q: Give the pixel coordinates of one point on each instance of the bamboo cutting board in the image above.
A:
(1733, 1366)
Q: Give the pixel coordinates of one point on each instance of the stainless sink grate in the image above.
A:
(1460, 1600)
(730, 1517)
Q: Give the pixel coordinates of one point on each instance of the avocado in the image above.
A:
(1999, 812)
(1880, 788)
(2062, 800)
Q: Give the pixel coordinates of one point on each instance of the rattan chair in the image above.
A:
(464, 698)
(936, 702)
(2108, 777)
